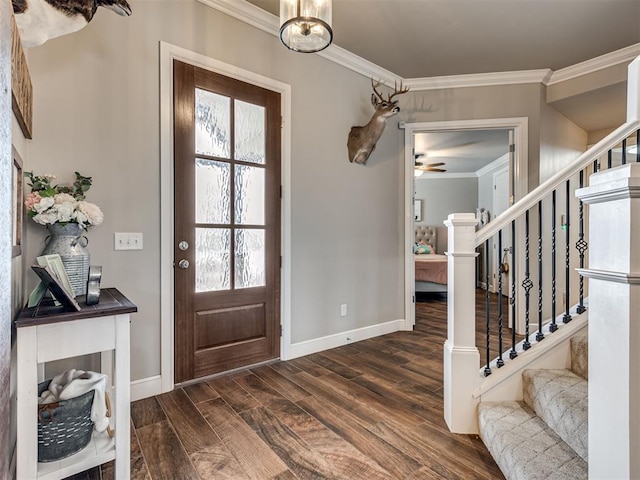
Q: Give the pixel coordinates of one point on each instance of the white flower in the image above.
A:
(43, 204)
(65, 211)
(46, 218)
(63, 198)
(89, 213)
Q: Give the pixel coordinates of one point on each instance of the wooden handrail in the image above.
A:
(538, 193)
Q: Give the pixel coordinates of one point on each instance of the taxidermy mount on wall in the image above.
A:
(41, 20)
(362, 140)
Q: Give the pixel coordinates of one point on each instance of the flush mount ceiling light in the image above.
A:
(305, 25)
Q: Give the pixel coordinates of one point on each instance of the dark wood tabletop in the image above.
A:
(112, 302)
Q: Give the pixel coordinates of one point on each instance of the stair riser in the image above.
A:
(560, 399)
(580, 355)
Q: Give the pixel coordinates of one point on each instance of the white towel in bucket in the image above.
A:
(73, 383)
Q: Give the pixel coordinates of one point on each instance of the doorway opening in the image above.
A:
(471, 182)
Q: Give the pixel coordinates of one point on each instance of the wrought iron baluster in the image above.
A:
(513, 354)
(500, 361)
(638, 146)
(527, 284)
(624, 151)
(566, 318)
(609, 159)
(596, 166)
(539, 335)
(553, 327)
(581, 246)
(487, 369)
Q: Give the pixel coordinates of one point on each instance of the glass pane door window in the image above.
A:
(230, 181)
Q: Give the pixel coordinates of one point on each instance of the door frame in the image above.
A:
(168, 53)
(520, 127)
(493, 262)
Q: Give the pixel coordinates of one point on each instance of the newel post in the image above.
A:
(461, 357)
(613, 197)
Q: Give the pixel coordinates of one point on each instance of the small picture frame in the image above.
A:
(52, 284)
(417, 210)
(16, 204)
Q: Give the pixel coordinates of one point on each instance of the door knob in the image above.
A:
(183, 263)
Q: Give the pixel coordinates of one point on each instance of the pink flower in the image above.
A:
(32, 199)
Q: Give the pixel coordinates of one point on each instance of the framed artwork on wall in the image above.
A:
(417, 210)
(21, 87)
(16, 203)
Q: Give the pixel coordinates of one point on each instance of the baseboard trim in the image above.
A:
(146, 387)
(343, 338)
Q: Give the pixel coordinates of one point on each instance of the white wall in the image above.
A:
(561, 142)
(96, 111)
(473, 103)
(443, 196)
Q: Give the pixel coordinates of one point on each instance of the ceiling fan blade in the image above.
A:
(429, 168)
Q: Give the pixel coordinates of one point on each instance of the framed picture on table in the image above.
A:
(57, 289)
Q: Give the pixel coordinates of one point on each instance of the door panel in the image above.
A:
(227, 214)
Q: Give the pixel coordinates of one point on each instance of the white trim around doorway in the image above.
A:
(520, 127)
(168, 53)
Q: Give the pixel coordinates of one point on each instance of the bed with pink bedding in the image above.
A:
(430, 268)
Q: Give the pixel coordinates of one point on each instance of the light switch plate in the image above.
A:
(127, 241)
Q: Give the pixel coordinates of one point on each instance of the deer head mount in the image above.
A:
(362, 140)
(42, 20)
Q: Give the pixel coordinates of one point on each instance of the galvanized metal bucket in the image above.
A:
(67, 241)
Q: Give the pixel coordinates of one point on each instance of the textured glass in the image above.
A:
(249, 132)
(249, 201)
(213, 191)
(213, 117)
(213, 259)
(249, 257)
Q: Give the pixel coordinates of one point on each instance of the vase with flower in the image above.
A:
(66, 214)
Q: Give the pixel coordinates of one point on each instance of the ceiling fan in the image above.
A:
(427, 167)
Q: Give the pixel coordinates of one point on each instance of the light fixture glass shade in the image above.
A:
(305, 25)
(417, 173)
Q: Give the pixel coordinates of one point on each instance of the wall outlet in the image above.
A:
(343, 310)
(127, 241)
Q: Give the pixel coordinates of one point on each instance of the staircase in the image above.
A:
(546, 436)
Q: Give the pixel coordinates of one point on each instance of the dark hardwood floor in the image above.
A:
(369, 410)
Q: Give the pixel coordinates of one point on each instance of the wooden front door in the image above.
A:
(227, 223)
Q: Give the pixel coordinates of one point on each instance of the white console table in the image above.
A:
(54, 334)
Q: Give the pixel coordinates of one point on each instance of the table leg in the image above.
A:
(27, 404)
(122, 405)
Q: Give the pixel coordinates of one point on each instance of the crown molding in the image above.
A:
(248, 13)
(611, 59)
(501, 161)
(359, 65)
(479, 80)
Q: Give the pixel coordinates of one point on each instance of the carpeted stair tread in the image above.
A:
(560, 399)
(580, 355)
(524, 446)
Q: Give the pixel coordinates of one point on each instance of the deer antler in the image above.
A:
(375, 90)
(398, 91)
